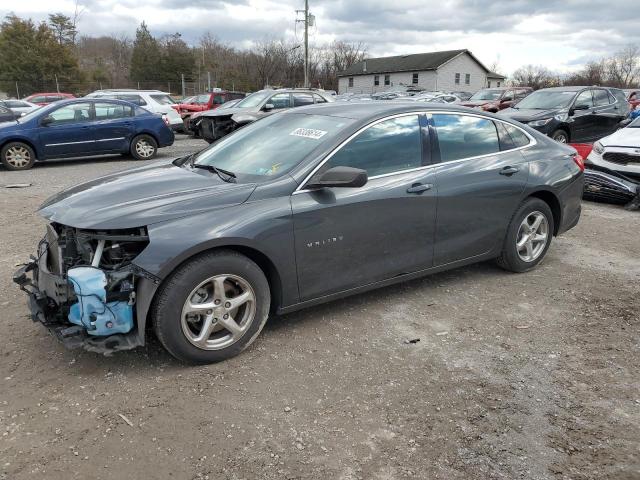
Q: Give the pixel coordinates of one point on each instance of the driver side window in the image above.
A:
(280, 100)
(390, 146)
(74, 113)
(585, 99)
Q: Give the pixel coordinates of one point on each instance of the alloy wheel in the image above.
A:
(18, 156)
(144, 148)
(532, 237)
(218, 312)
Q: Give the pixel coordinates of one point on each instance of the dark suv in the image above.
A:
(216, 124)
(572, 114)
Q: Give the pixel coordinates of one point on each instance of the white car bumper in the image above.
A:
(619, 159)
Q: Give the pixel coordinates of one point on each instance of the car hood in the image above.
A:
(226, 112)
(139, 197)
(474, 103)
(528, 115)
(625, 137)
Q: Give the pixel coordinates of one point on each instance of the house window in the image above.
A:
(498, 83)
(457, 79)
(376, 80)
(350, 82)
(467, 78)
(415, 79)
(387, 79)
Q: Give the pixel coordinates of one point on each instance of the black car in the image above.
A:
(6, 115)
(572, 114)
(215, 124)
(302, 207)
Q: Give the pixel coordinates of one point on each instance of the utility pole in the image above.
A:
(208, 81)
(306, 21)
(183, 89)
(57, 85)
(17, 91)
(306, 43)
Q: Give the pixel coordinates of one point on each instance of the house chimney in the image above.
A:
(364, 66)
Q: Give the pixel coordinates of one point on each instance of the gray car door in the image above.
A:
(348, 237)
(479, 185)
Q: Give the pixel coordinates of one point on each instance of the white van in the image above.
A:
(155, 101)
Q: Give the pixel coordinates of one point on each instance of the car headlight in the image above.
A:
(598, 148)
(540, 123)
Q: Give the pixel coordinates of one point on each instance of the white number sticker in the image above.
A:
(308, 133)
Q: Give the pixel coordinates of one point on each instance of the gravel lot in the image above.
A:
(531, 376)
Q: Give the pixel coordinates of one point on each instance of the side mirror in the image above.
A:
(46, 121)
(268, 106)
(340, 177)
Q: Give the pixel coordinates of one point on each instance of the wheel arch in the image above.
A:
(566, 129)
(554, 204)
(21, 140)
(266, 264)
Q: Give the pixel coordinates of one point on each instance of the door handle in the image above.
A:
(419, 187)
(508, 171)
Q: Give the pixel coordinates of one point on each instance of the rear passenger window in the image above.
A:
(390, 146)
(112, 111)
(600, 98)
(302, 99)
(463, 136)
(319, 99)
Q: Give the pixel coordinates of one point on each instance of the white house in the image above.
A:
(453, 70)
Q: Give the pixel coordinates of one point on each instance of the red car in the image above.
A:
(47, 98)
(204, 102)
(495, 99)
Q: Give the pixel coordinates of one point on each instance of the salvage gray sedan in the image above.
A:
(300, 208)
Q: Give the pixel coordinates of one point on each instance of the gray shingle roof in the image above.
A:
(404, 63)
(491, 74)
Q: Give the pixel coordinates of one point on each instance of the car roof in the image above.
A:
(373, 109)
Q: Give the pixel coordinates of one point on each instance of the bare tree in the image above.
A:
(535, 76)
(623, 68)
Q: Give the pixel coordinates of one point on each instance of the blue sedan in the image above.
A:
(80, 128)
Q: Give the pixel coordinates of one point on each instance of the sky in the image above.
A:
(562, 35)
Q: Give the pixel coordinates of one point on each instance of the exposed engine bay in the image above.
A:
(84, 285)
(214, 128)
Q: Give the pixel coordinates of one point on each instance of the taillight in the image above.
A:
(167, 123)
(577, 158)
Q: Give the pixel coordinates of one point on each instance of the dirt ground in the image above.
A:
(531, 376)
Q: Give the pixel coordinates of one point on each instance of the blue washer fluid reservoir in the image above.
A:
(92, 310)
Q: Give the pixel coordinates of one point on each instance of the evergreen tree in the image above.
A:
(146, 60)
(63, 29)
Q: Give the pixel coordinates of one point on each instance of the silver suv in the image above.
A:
(215, 124)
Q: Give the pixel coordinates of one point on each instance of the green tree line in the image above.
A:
(49, 55)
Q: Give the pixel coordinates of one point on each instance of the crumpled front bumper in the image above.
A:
(50, 295)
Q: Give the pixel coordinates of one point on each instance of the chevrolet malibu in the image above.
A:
(299, 208)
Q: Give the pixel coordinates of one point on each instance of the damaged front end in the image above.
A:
(83, 286)
(214, 128)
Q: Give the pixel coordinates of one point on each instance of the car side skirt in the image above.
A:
(391, 281)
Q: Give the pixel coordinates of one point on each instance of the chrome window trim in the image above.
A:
(532, 143)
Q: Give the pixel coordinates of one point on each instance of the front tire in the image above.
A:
(528, 237)
(560, 136)
(17, 156)
(144, 147)
(212, 308)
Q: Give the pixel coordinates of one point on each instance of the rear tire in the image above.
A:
(212, 307)
(144, 147)
(17, 156)
(524, 247)
(560, 136)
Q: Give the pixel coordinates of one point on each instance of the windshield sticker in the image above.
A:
(308, 133)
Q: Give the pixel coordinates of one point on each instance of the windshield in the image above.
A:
(546, 100)
(487, 95)
(34, 113)
(163, 99)
(253, 100)
(634, 124)
(272, 146)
